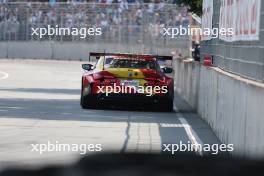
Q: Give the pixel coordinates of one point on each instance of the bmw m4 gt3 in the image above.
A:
(127, 78)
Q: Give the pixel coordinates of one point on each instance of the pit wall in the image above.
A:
(231, 105)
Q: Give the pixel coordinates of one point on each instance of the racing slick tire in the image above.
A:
(88, 101)
(167, 105)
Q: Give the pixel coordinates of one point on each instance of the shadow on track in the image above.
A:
(70, 110)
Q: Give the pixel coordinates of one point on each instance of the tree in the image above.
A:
(194, 6)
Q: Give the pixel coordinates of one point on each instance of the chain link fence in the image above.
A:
(124, 24)
(244, 58)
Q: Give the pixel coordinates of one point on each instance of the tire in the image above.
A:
(167, 105)
(88, 101)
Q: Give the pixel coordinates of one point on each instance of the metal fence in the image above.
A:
(244, 58)
(139, 24)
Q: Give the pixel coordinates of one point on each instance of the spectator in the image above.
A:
(123, 16)
(196, 51)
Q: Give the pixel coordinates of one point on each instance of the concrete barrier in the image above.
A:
(3, 50)
(231, 105)
(187, 80)
(76, 50)
(30, 50)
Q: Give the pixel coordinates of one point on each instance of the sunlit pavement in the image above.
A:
(39, 103)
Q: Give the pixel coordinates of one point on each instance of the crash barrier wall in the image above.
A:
(241, 57)
(187, 80)
(231, 105)
(124, 27)
(73, 50)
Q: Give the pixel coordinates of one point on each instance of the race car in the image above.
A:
(127, 79)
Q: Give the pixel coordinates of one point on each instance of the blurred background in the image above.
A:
(129, 26)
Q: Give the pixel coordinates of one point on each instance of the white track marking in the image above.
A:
(194, 138)
(5, 75)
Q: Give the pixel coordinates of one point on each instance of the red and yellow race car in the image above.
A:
(127, 78)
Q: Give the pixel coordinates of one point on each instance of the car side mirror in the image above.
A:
(167, 70)
(87, 67)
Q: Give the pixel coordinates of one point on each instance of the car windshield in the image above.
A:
(130, 63)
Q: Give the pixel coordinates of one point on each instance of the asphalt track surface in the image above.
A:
(39, 102)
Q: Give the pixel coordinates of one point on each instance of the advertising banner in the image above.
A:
(207, 18)
(243, 16)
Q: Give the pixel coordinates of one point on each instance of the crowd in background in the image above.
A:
(115, 17)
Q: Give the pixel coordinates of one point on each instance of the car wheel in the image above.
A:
(87, 99)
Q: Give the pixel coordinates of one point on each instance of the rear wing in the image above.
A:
(158, 57)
